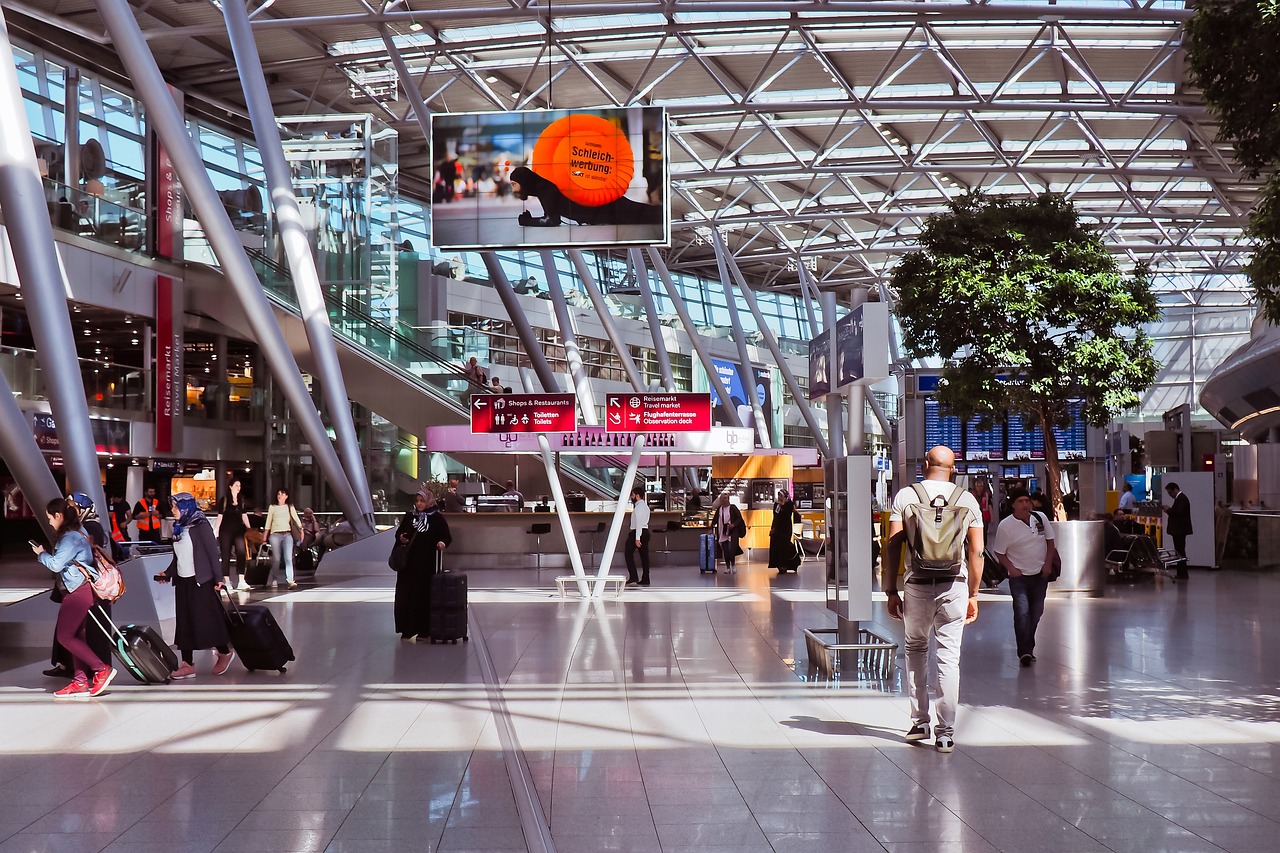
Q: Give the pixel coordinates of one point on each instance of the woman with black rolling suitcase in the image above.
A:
(421, 535)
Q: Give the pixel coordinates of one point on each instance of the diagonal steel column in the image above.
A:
(306, 281)
(171, 128)
(651, 314)
(411, 93)
(746, 371)
(619, 513)
(532, 347)
(694, 337)
(34, 255)
(20, 452)
(809, 294)
(802, 402)
(606, 319)
(581, 387)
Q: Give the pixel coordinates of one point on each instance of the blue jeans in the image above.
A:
(281, 556)
(1028, 606)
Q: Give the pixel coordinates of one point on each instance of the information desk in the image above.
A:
(503, 541)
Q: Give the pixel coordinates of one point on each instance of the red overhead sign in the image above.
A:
(492, 413)
(657, 413)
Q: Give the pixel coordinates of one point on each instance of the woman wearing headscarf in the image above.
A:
(196, 575)
(729, 527)
(425, 533)
(71, 551)
(783, 553)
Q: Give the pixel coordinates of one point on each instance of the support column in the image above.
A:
(171, 128)
(20, 452)
(581, 387)
(746, 370)
(809, 294)
(606, 319)
(562, 513)
(771, 342)
(619, 513)
(44, 295)
(694, 338)
(651, 314)
(856, 432)
(306, 281)
(411, 93)
(532, 347)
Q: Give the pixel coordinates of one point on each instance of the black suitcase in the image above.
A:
(304, 562)
(140, 650)
(448, 617)
(256, 637)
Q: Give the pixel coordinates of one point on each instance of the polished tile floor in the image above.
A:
(670, 720)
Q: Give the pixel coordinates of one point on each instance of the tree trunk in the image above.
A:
(1052, 468)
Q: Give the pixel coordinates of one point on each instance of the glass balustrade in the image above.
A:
(96, 218)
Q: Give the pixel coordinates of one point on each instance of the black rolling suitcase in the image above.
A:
(140, 650)
(256, 637)
(448, 617)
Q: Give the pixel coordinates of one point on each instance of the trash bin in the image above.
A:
(1084, 566)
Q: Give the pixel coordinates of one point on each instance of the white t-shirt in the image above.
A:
(1128, 502)
(185, 556)
(1024, 543)
(935, 488)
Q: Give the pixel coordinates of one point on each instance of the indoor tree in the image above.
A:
(1233, 51)
(1029, 311)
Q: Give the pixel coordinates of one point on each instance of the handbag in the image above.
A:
(295, 531)
(399, 557)
(108, 585)
(1055, 570)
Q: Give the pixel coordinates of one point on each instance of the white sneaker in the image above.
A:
(275, 584)
(243, 587)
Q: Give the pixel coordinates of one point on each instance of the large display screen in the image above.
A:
(549, 178)
(1011, 440)
(740, 398)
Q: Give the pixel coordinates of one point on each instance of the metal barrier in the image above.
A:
(873, 655)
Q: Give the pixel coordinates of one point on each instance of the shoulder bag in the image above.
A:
(399, 557)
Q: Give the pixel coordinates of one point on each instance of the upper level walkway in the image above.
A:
(669, 720)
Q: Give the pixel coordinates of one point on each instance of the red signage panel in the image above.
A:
(657, 413)
(523, 413)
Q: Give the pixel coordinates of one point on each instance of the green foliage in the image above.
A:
(1233, 52)
(1263, 268)
(1020, 288)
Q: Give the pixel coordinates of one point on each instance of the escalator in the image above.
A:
(391, 369)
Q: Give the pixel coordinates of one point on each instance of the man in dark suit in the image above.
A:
(1178, 525)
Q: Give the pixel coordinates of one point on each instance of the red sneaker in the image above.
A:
(222, 663)
(74, 690)
(102, 679)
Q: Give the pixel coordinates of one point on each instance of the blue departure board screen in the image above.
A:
(940, 429)
(1004, 441)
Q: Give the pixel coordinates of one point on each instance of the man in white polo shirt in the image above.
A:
(1024, 544)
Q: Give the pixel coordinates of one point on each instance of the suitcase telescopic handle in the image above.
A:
(235, 608)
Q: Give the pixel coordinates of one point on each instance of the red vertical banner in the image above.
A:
(166, 197)
(170, 394)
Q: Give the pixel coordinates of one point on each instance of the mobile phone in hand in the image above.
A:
(35, 543)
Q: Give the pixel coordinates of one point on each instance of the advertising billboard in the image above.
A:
(738, 396)
(820, 366)
(545, 178)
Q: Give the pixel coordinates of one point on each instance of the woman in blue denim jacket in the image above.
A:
(71, 550)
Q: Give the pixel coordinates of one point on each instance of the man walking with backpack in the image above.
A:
(941, 526)
(1024, 544)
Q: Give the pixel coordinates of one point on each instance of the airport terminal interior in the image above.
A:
(528, 259)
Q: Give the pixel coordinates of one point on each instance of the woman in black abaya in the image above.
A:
(425, 533)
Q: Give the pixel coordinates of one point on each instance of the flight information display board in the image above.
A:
(1004, 441)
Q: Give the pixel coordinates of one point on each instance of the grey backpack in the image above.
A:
(936, 530)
